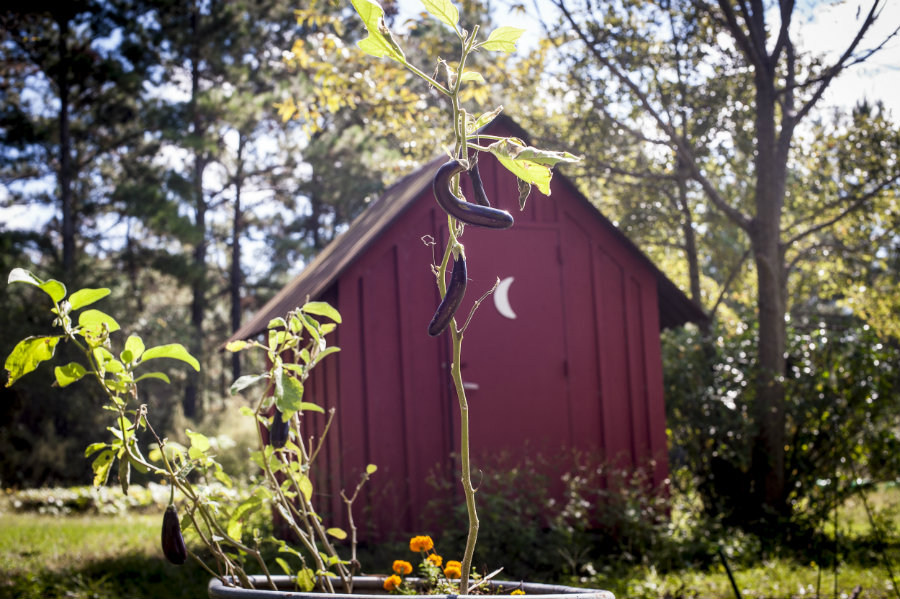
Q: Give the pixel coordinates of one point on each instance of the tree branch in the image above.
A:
(682, 148)
(841, 64)
(787, 10)
(854, 205)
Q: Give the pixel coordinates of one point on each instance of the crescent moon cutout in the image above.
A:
(501, 298)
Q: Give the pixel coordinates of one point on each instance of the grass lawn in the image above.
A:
(86, 556)
(90, 556)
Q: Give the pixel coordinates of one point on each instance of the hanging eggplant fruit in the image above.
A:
(172, 540)
(456, 289)
(471, 214)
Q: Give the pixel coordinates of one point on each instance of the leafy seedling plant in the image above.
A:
(285, 458)
(530, 165)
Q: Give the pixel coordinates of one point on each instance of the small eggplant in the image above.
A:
(456, 289)
(279, 431)
(172, 540)
(478, 186)
(471, 214)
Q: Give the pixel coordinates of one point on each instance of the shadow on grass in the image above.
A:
(132, 575)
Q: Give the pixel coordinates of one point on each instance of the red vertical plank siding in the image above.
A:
(634, 317)
(349, 419)
(656, 409)
(582, 338)
(615, 391)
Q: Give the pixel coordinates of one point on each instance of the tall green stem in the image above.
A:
(459, 129)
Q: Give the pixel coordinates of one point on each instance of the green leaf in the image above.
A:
(284, 565)
(325, 352)
(52, 287)
(305, 487)
(485, 118)
(114, 366)
(84, 297)
(134, 349)
(101, 466)
(443, 11)
(245, 509)
(68, 374)
(380, 41)
(322, 309)
(93, 321)
(198, 440)
(292, 399)
(153, 375)
(305, 406)
(529, 164)
(371, 468)
(236, 346)
(94, 448)
(20, 275)
(277, 323)
(28, 354)
(472, 76)
(245, 381)
(55, 289)
(306, 580)
(337, 533)
(503, 39)
(175, 351)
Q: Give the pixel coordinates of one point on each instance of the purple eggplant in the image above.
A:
(172, 540)
(458, 208)
(456, 289)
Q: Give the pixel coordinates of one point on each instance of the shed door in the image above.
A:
(515, 368)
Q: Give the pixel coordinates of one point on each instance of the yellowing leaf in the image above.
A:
(84, 297)
(27, 355)
(236, 346)
(68, 374)
(322, 309)
(443, 11)
(503, 39)
(472, 76)
(93, 321)
(286, 109)
(176, 351)
(381, 41)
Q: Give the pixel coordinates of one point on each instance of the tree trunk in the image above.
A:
(236, 273)
(198, 276)
(65, 154)
(768, 450)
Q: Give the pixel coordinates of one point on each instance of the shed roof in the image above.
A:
(675, 308)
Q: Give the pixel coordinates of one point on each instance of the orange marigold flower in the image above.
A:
(435, 559)
(392, 582)
(453, 569)
(518, 592)
(420, 544)
(401, 567)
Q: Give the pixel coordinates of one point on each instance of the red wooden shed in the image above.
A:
(567, 355)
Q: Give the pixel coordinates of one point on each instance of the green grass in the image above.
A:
(87, 556)
(90, 556)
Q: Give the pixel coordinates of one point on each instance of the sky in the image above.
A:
(820, 26)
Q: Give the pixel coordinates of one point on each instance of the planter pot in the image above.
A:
(370, 587)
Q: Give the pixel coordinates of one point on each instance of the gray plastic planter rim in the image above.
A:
(370, 587)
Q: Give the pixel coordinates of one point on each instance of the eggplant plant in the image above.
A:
(531, 166)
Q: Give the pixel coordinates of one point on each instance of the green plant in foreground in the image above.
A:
(530, 165)
(193, 471)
